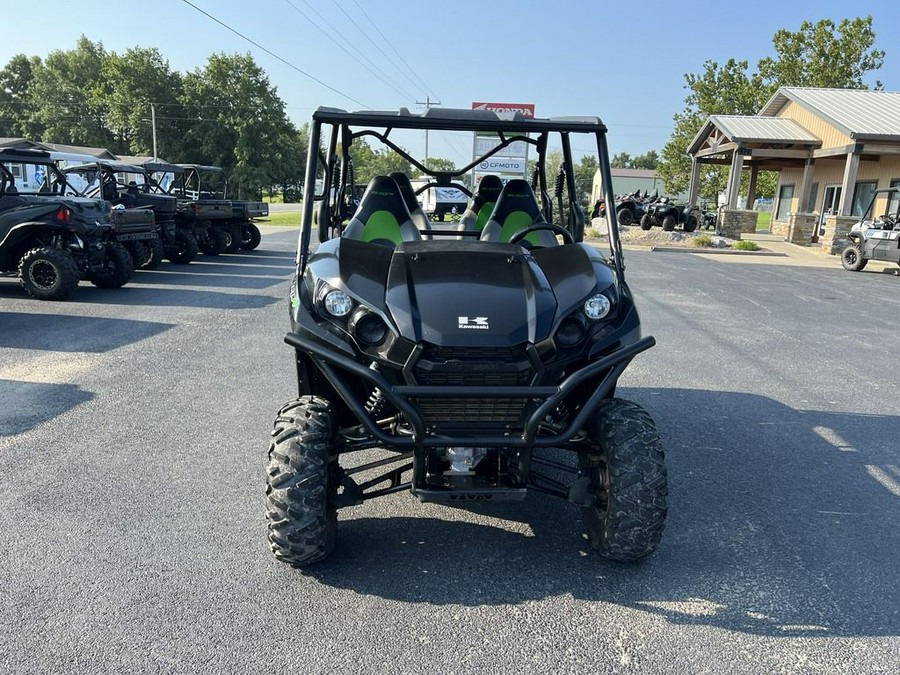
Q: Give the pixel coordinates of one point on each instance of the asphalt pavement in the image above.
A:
(133, 433)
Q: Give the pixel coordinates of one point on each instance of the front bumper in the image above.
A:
(545, 399)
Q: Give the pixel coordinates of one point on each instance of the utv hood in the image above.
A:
(468, 293)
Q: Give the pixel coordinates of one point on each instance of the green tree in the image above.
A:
(16, 106)
(649, 160)
(818, 55)
(368, 163)
(236, 121)
(441, 164)
(621, 161)
(69, 96)
(823, 54)
(134, 80)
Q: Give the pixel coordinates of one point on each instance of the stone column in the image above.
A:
(836, 229)
(800, 228)
(734, 222)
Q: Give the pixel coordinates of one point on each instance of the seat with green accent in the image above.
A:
(517, 208)
(480, 206)
(408, 193)
(382, 216)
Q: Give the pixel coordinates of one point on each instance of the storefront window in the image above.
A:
(862, 197)
(785, 195)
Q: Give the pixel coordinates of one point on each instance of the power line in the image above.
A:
(394, 49)
(383, 76)
(274, 55)
(369, 37)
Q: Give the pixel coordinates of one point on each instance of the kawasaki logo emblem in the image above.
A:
(474, 323)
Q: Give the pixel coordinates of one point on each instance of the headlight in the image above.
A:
(338, 304)
(597, 307)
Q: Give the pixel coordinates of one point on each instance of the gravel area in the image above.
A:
(635, 236)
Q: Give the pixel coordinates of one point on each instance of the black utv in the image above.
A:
(461, 365)
(875, 238)
(51, 240)
(204, 219)
(133, 219)
(209, 182)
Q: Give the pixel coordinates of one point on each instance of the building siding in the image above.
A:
(831, 137)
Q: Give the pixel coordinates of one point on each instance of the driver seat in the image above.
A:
(517, 208)
(412, 204)
(382, 216)
(478, 210)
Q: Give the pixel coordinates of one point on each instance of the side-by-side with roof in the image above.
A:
(51, 239)
(457, 362)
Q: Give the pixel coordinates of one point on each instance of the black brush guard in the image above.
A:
(608, 368)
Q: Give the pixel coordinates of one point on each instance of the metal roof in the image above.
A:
(860, 113)
(755, 129)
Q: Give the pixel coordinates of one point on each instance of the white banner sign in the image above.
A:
(484, 144)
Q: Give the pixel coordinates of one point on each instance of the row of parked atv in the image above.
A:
(654, 211)
(101, 220)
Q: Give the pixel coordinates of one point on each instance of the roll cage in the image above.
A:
(325, 207)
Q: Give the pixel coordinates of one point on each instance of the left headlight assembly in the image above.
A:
(337, 303)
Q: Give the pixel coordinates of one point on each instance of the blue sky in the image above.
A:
(624, 62)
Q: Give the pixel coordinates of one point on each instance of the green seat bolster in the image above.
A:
(383, 227)
(514, 222)
(484, 214)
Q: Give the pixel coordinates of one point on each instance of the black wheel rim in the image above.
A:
(43, 274)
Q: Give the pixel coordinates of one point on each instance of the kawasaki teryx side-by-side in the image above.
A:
(463, 365)
(49, 239)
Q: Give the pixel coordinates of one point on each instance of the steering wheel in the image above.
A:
(555, 229)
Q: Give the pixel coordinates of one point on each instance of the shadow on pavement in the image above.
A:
(782, 522)
(64, 333)
(26, 405)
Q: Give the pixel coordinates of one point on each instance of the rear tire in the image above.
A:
(232, 238)
(139, 253)
(157, 253)
(690, 224)
(668, 223)
(213, 243)
(48, 273)
(627, 472)
(185, 249)
(117, 267)
(852, 258)
(646, 223)
(251, 237)
(300, 485)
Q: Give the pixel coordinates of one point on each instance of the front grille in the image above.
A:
(469, 413)
(466, 366)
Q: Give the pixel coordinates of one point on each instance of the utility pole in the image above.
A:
(428, 103)
(153, 124)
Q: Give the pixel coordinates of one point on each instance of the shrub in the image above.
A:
(702, 240)
(746, 245)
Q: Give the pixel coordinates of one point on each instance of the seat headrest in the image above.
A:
(488, 190)
(383, 194)
(516, 195)
(406, 191)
